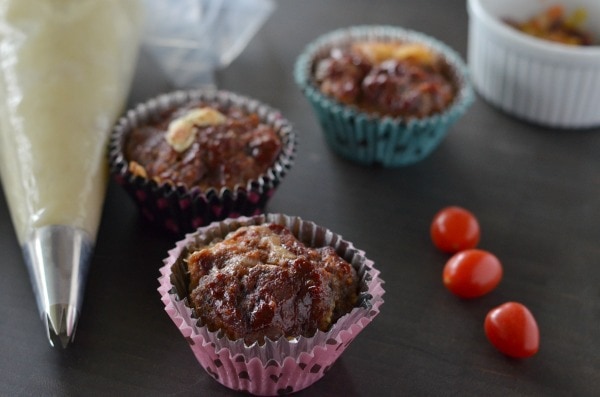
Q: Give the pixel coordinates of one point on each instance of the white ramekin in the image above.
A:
(546, 83)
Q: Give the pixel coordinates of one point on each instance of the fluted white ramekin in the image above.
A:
(546, 83)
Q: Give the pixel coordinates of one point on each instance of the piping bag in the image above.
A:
(65, 72)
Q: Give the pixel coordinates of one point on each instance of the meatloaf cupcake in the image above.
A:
(191, 157)
(383, 95)
(269, 302)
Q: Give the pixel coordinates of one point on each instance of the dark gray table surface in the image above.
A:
(536, 192)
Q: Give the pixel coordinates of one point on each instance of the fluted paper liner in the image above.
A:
(276, 367)
(367, 138)
(178, 209)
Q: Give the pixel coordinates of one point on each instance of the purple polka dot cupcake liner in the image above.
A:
(180, 210)
(373, 140)
(277, 367)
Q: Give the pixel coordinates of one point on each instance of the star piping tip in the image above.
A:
(61, 321)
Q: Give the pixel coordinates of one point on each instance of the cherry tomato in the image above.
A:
(454, 229)
(472, 273)
(512, 329)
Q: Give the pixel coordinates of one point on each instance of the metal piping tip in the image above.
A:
(58, 258)
(61, 321)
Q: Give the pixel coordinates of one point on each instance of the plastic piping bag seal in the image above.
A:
(191, 39)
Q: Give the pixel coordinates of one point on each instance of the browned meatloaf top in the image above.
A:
(232, 152)
(261, 282)
(386, 78)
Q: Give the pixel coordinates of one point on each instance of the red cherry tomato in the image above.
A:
(454, 229)
(512, 329)
(472, 273)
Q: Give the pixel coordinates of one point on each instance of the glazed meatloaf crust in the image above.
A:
(387, 78)
(261, 282)
(203, 145)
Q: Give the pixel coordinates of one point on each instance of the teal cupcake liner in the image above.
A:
(370, 139)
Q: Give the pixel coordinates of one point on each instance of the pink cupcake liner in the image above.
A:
(276, 367)
(180, 210)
